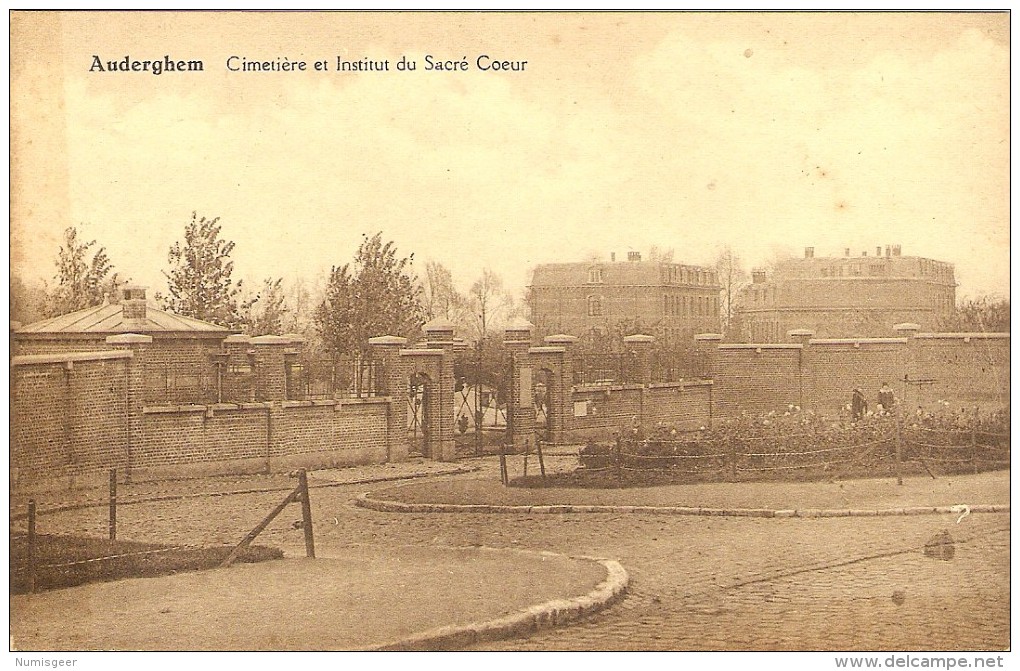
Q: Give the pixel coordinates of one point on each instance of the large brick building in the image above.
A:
(673, 301)
(847, 296)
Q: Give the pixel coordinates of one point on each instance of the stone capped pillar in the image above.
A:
(238, 379)
(641, 346)
(270, 367)
(137, 345)
(560, 398)
(439, 333)
(391, 381)
(706, 346)
(521, 399)
(292, 365)
(800, 336)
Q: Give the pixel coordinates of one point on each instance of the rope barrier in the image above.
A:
(120, 556)
(795, 466)
(939, 447)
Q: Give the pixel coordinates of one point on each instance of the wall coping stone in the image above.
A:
(129, 339)
(765, 345)
(708, 336)
(172, 409)
(65, 357)
(639, 338)
(387, 340)
(421, 352)
(237, 338)
(560, 338)
(964, 336)
(269, 340)
(859, 341)
(605, 387)
(547, 350)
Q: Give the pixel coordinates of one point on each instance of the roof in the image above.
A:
(110, 319)
(615, 273)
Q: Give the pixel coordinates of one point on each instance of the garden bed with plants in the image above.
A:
(794, 446)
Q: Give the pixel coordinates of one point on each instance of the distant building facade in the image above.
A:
(673, 301)
(847, 296)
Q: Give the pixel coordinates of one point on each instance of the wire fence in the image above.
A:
(878, 447)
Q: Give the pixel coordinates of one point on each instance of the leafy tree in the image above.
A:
(200, 283)
(81, 281)
(264, 313)
(376, 296)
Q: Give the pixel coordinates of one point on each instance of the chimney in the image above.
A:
(133, 300)
(612, 257)
(846, 252)
(809, 252)
(864, 253)
(757, 276)
(896, 250)
(878, 251)
(633, 256)
(887, 250)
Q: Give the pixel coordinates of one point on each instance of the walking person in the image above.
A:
(886, 398)
(858, 405)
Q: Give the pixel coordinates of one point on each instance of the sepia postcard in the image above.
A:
(510, 331)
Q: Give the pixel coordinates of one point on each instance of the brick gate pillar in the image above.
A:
(439, 334)
(137, 345)
(706, 347)
(238, 381)
(392, 381)
(521, 399)
(641, 346)
(270, 367)
(561, 405)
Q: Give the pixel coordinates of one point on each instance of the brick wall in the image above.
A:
(184, 441)
(613, 408)
(963, 368)
(756, 379)
(833, 368)
(69, 416)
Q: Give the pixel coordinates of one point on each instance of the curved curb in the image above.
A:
(555, 613)
(365, 501)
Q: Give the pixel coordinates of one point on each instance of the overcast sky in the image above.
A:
(766, 132)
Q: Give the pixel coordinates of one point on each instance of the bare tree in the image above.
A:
(732, 278)
(440, 298)
(488, 300)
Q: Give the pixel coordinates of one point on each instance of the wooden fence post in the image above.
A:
(541, 459)
(618, 459)
(31, 545)
(899, 451)
(973, 441)
(504, 476)
(113, 504)
(306, 514)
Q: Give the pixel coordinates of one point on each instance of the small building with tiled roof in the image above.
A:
(178, 357)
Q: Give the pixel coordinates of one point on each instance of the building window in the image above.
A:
(595, 276)
(594, 306)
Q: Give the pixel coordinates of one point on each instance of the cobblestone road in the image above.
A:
(697, 583)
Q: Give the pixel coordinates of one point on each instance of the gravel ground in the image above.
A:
(697, 583)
